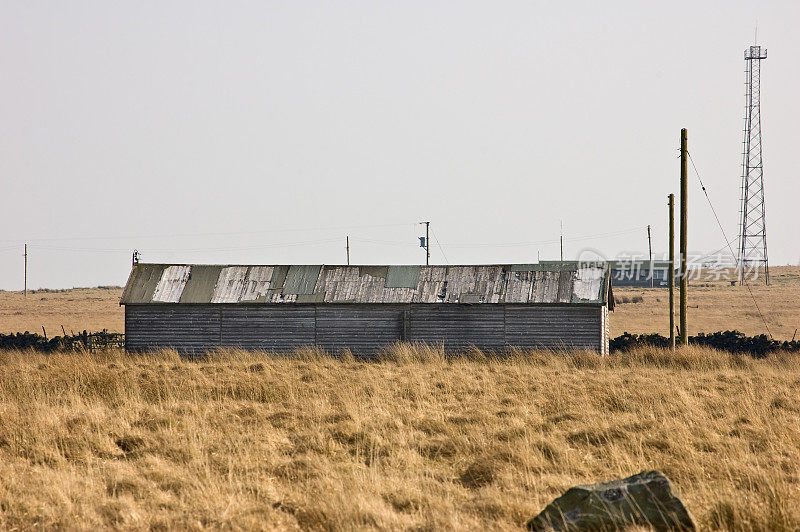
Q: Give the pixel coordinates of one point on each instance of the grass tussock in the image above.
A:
(416, 440)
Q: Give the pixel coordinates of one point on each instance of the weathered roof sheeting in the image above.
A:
(301, 279)
(543, 283)
(587, 284)
(172, 283)
(402, 276)
(257, 283)
(230, 285)
(202, 282)
(142, 282)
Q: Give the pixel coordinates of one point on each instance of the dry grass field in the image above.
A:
(713, 306)
(76, 309)
(414, 441)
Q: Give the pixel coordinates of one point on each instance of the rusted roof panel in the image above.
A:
(543, 283)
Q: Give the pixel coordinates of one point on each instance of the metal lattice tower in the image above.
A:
(753, 227)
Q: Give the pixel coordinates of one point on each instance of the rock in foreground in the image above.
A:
(645, 500)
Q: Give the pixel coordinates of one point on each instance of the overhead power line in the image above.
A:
(730, 248)
(187, 250)
(440, 247)
(508, 244)
(190, 235)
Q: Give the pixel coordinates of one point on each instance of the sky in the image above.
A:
(266, 132)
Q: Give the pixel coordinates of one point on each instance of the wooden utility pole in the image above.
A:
(427, 242)
(684, 240)
(671, 272)
(650, 252)
(561, 240)
(348, 250)
(26, 272)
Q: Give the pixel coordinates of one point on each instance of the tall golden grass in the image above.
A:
(416, 440)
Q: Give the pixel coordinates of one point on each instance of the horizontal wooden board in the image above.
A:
(187, 328)
(458, 326)
(268, 328)
(553, 327)
(362, 329)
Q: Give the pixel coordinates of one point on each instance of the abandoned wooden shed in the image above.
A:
(193, 308)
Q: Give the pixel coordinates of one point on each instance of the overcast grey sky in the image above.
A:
(264, 132)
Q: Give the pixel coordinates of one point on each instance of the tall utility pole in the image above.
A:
(348, 250)
(561, 239)
(753, 226)
(650, 254)
(684, 240)
(427, 242)
(671, 272)
(26, 271)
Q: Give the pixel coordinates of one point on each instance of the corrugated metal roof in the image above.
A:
(230, 284)
(402, 276)
(202, 281)
(171, 285)
(142, 282)
(301, 279)
(543, 283)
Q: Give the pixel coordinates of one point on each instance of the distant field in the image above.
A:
(716, 306)
(713, 306)
(415, 442)
(92, 309)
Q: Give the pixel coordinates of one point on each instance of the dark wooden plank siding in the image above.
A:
(553, 327)
(187, 328)
(457, 326)
(267, 327)
(363, 329)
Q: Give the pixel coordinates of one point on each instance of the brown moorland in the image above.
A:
(715, 305)
(76, 309)
(413, 441)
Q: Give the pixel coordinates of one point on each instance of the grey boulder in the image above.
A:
(643, 500)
